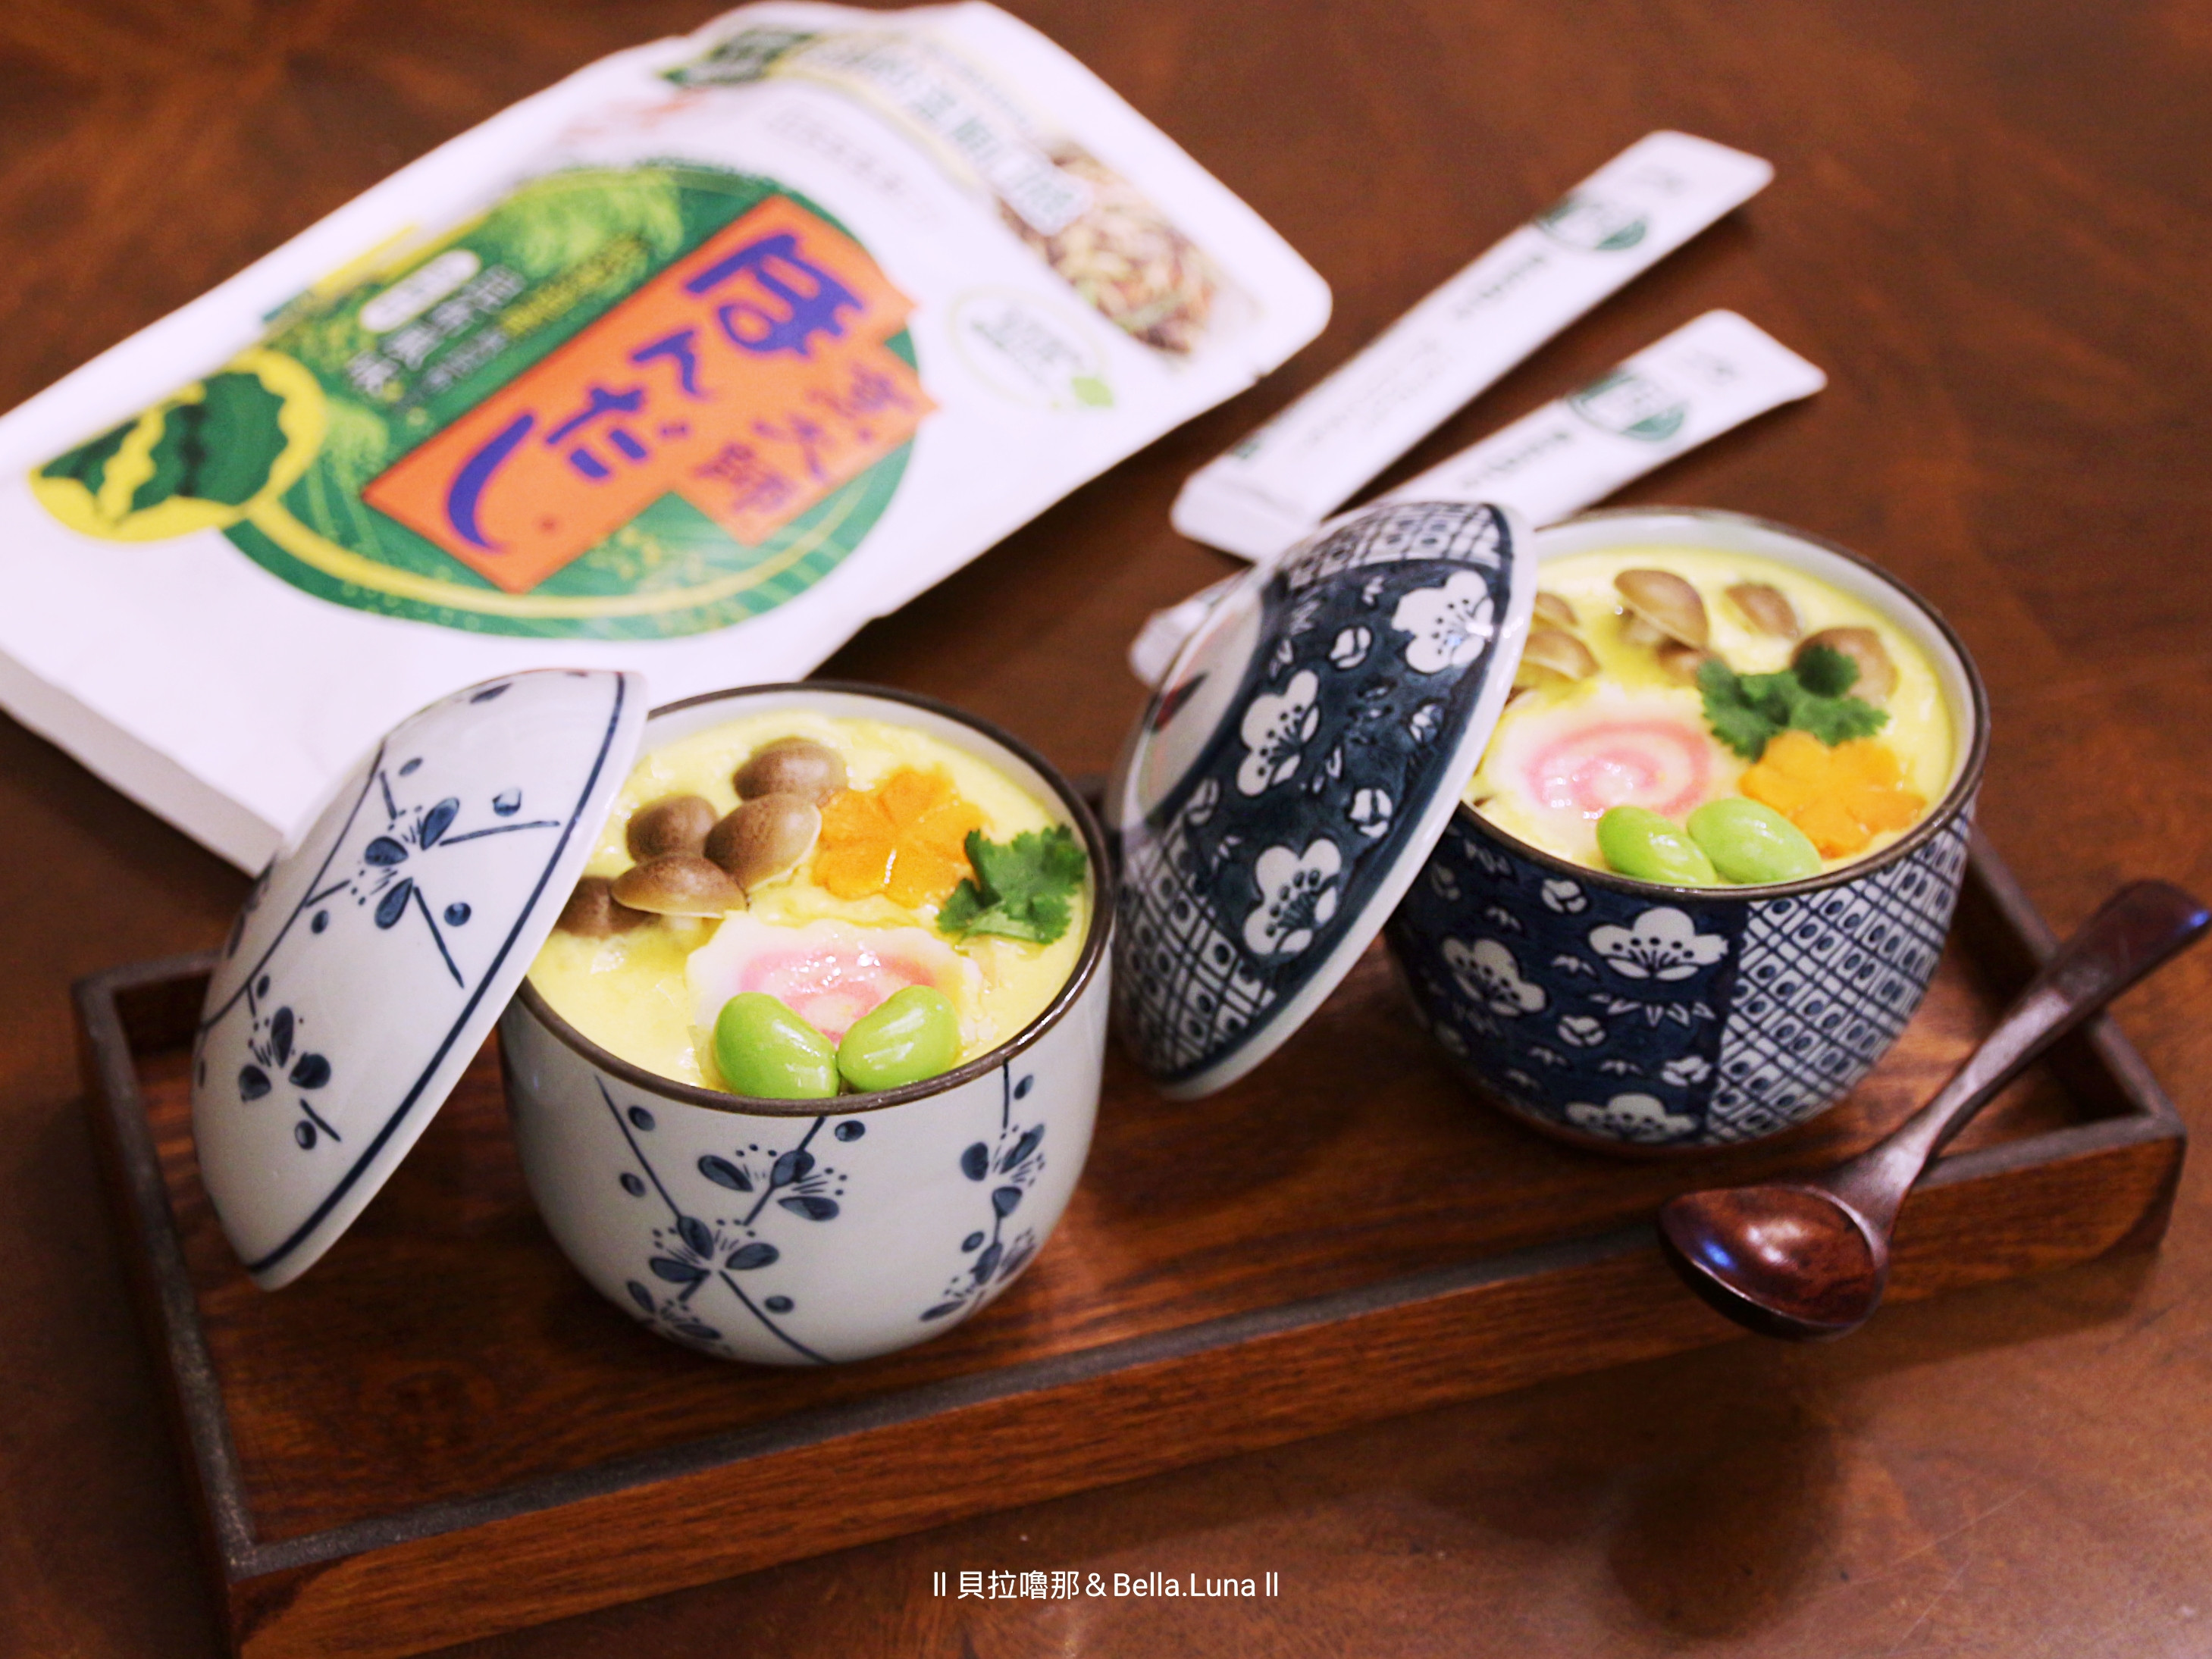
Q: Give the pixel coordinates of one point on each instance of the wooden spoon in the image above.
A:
(1809, 1258)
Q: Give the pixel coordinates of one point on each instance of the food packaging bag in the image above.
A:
(693, 363)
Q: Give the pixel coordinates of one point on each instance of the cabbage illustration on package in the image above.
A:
(627, 405)
(694, 363)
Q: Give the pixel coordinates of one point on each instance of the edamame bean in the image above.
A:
(1749, 841)
(770, 1053)
(1639, 842)
(911, 1034)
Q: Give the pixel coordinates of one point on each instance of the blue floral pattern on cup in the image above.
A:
(1245, 876)
(1011, 1165)
(703, 1266)
(1660, 1019)
(810, 1232)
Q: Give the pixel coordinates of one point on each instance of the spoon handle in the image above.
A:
(2136, 929)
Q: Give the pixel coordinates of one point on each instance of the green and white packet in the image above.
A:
(1276, 485)
(1708, 377)
(692, 363)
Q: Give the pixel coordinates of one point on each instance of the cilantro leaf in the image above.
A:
(1774, 695)
(1837, 719)
(1020, 890)
(1826, 671)
(958, 915)
(1735, 718)
(1745, 711)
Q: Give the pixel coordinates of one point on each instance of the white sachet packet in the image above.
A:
(1708, 377)
(1276, 485)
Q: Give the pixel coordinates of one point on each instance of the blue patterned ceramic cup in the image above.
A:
(779, 1232)
(1624, 1014)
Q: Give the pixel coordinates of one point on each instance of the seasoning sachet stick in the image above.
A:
(1281, 481)
(1708, 377)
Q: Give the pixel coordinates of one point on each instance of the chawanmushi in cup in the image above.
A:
(792, 904)
(1694, 717)
(1703, 874)
(809, 1068)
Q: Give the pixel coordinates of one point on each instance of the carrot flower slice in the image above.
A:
(906, 838)
(1842, 798)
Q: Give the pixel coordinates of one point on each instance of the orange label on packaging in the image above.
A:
(749, 378)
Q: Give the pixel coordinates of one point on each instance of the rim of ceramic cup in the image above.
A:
(1964, 783)
(1099, 927)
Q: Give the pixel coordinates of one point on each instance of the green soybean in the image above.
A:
(770, 1053)
(912, 1034)
(1640, 842)
(1749, 841)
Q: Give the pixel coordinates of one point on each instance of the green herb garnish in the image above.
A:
(1745, 710)
(1021, 890)
(1826, 671)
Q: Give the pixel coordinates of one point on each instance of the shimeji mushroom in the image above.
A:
(1766, 608)
(674, 823)
(679, 884)
(594, 911)
(1555, 651)
(1682, 662)
(765, 836)
(1877, 676)
(1550, 608)
(792, 766)
(1665, 605)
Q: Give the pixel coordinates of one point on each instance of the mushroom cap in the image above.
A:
(1551, 609)
(792, 766)
(1668, 602)
(1558, 652)
(1682, 662)
(679, 884)
(1877, 673)
(673, 824)
(594, 911)
(765, 837)
(1767, 608)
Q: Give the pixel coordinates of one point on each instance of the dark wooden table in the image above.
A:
(1992, 225)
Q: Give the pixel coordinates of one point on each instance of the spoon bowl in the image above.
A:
(1797, 1260)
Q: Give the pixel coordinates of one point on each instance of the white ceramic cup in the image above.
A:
(803, 1232)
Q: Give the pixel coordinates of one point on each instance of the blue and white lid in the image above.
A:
(379, 948)
(1302, 757)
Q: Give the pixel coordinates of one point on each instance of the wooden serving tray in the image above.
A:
(443, 1433)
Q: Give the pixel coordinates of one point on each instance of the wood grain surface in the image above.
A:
(1991, 226)
(452, 1436)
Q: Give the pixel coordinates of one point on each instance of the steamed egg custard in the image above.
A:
(795, 904)
(1702, 718)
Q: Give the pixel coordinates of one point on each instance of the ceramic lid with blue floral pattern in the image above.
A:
(1300, 758)
(377, 949)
